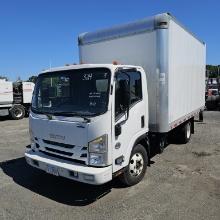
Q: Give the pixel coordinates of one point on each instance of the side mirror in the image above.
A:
(125, 90)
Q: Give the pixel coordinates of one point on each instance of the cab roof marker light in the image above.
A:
(114, 62)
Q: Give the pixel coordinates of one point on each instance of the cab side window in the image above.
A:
(121, 81)
(135, 87)
(131, 79)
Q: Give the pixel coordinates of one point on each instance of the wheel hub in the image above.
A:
(188, 131)
(136, 164)
(18, 113)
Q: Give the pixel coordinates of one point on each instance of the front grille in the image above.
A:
(63, 158)
(83, 155)
(59, 151)
(59, 144)
(67, 151)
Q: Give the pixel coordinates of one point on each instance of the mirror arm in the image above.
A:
(127, 114)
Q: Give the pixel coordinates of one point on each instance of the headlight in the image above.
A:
(99, 145)
(98, 151)
(97, 159)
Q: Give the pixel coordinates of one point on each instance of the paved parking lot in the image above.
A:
(181, 183)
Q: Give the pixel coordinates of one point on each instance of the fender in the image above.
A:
(139, 137)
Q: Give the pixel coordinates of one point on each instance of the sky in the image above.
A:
(35, 34)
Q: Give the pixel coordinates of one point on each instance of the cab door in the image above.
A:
(129, 117)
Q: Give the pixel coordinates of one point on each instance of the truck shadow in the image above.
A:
(4, 118)
(59, 189)
(56, 188)
(7, 118)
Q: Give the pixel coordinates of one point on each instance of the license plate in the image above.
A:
(52, 170)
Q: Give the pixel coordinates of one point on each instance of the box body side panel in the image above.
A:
(186, 64)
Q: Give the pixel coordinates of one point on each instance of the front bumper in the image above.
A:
(90, 175)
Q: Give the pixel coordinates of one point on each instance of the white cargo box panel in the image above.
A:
(186, 72)
(28, 88)
(172, 57)
(6, 92)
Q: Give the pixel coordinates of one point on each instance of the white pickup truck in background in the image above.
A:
(98, 120)
(15, 98)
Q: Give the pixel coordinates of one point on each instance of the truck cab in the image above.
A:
(86, 119)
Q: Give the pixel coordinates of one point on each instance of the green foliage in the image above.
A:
(4, 77)
(32, 79)
(213, 71)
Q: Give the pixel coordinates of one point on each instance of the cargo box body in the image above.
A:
(6, 93)
(28, 88)
(172, 57)
(15, 98)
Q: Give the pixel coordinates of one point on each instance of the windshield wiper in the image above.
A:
(40, 112)
(71, 114)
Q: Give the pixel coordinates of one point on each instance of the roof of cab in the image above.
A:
(86, 66)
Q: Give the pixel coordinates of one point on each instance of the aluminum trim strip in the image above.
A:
(132, 28)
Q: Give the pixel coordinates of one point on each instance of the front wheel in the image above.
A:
(136, 169)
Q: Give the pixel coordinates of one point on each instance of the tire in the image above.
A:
(27, 111)
(137, 167)
(17, 112)
(162, 145)
(201, 116)
(186, 133)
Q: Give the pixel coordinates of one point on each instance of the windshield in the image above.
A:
(82, 91)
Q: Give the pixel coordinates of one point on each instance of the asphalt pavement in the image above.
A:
(181, 183)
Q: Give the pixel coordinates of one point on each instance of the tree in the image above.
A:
(32, 79)
(19, 79)
(4, 77)
(212, 70)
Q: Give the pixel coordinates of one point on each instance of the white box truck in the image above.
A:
(95, 121)
(15, 98)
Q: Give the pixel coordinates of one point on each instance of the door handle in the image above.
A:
(117, 129)
(142, 121)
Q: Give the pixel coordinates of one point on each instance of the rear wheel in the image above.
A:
(186, 132)
(17, 112)
(201, 116)
(161, 146)
(136, 169)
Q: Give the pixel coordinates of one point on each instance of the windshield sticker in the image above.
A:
(93, 104)
(94, 95)
(87, 76)
(64, 79)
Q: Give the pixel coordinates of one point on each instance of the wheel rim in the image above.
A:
(17, 113)
(136, 164)
(162, 144)
(188, 131)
